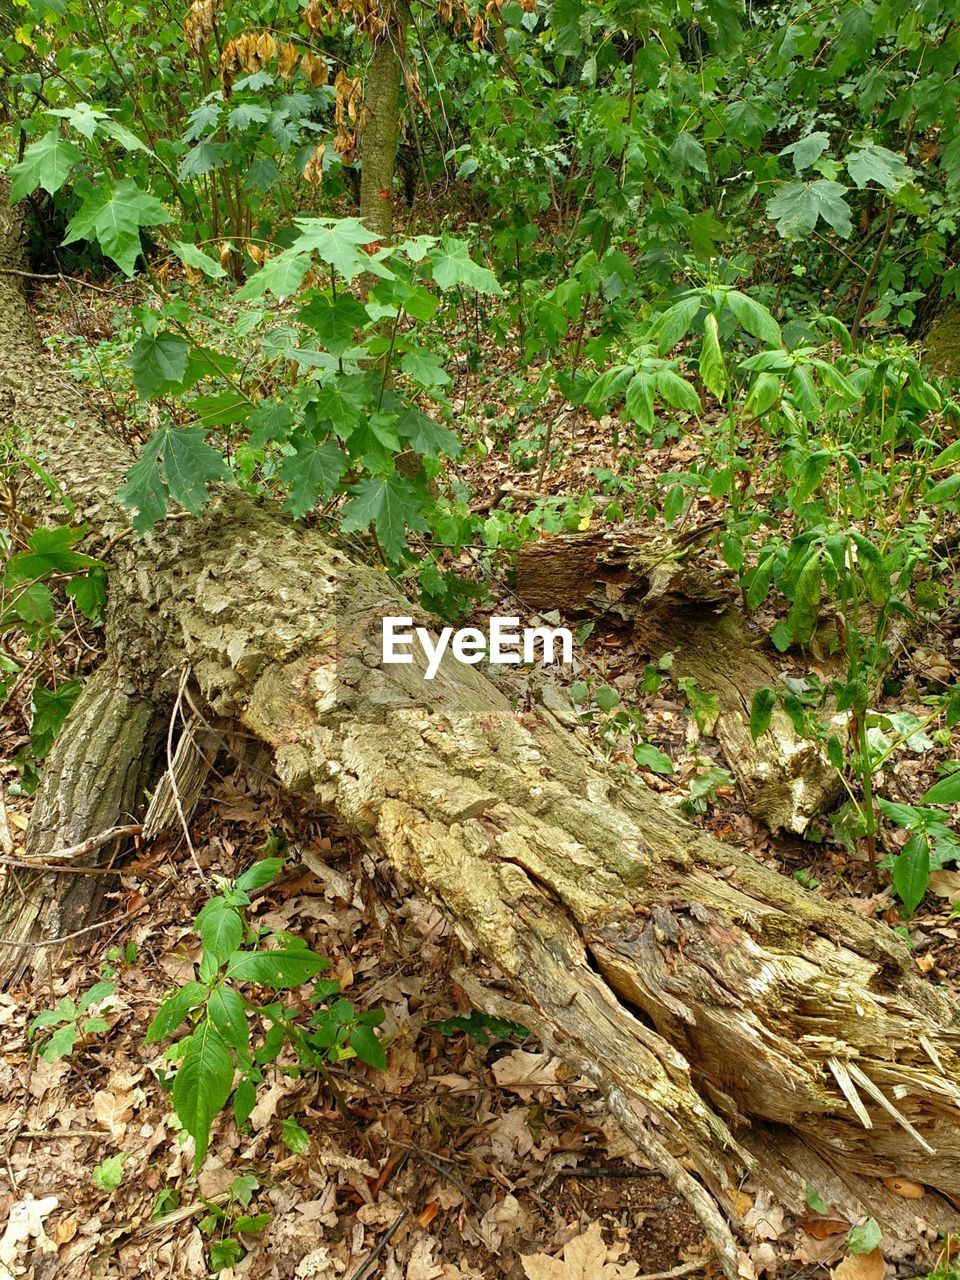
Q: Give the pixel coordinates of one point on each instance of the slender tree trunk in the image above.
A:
(381, 105)
(679, 972)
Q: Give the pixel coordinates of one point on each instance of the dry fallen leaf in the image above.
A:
(585, 1257)
(904, 1187)
(860, 1266)
(113, 1110)
(25, 1222)
(945, 884)
(527, 1073)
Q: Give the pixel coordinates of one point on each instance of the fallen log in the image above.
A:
(676, 970)
(670, 604)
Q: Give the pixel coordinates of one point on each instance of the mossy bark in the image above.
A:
(692, 979)
(381, 106)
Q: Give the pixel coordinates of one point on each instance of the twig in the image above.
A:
(57, 275)
(6, 838)
(93, 842)
(171, 774)
(28, 864)
(684, 1269)
(375, 1253)
(67, 937)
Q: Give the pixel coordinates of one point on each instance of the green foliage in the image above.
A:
(58, 1030)
(482, 1028)
(220, 1055)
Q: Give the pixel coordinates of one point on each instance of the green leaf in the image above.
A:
(343, 401)
(159, 363)
(278, 969)
(806, 598)
(109, 1173)
(638, 400)
(712, 369)
(334, 320)
(113, 215)
(145, 492)
(763, 395)
(252, 1225)
(337, 241)
(49, 551)
(946, 791)
(46, 163)
(689, 153)
(244, 1100)
(367, 1047)
(648, 757)
(226, 1012)
(865, 1237)
(815, 1201)
(174, 1009)
(753, 317)
(392, 505)
(425, 435)
(189, 465)
(425, 368)
(911, 871)
(260, 874)
(944, 491)
(807, 150)
(280, 275)
(677, 392)
(220, 928)
(197, 259)
(607, 698)
(876, 164)
(705, 706)
(202, 1085)
(297, 1139)
(89, 592)
(674, 324)
(271, 420)
(313, 471)
(798, 206)
(761, 711)
(60, 1045)
(451, 265)
(225, 1253)
(874, 572)
(34, 605)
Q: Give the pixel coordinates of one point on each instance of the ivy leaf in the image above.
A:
(113, 215)
(876, 164)
(197, 259)
(391, 504)
(807, 150)
(337, 241)
(46, 163)
(189, 465)
(159, 363)
(202, 1085)
(798, 207)
(145, 492)
(451, 265)
(312, 472)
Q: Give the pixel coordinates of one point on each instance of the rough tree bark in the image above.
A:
(381, 105)
(682, 974)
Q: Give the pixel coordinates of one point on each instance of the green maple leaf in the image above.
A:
(392, 505)
(46, 163)
(452, 265)
(877, 164)
(337, 241)
(312, 472)
(342, 401)
(189, 465)
(113, 215)
(159, 363)
(145, 492)
(334, 320)
(281, 275)
(424, 367)
(807, 150)
(798, 206)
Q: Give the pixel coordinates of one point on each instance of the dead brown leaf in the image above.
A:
(860, 1266)
(585, 1257)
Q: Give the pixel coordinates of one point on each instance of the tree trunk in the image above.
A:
(381, 106)
(682, 974)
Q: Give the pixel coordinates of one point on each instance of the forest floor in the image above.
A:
(461, 1160)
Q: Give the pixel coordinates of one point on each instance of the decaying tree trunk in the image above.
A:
(669, 604)
(381, 105)
(679, 972)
